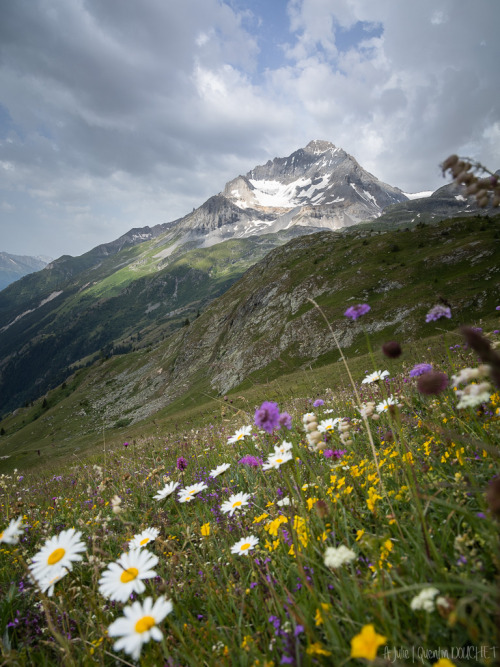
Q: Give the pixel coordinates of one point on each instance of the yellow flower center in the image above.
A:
(129, 575)
(144, 541)
(56, 556)
(237, 503)
(144, 624)
(245, 546)
(279, 460)
(1, 534)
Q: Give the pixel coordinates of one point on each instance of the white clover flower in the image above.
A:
(277, 460)
(239, 435)
(13, 531)
(166, 491)
(124, 577)
(425, 600)
(139, 624)
(337, 556)
(140, 540)
(473, 395)
(234, 502)
(245, 545)
(375, 377)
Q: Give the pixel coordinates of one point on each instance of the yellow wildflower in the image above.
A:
(273, 526)
(260, 518)
(205, 529)
(365, 645)
(317, 649)
(311, 502)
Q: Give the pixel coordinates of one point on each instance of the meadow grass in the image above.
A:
(403, 491)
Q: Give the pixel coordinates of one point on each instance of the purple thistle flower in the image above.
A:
(420, 369)
(285, 420)
(267, 416)
(356, 311)
(181, 463)
(318, 402)
(438, 312)
(249, 460)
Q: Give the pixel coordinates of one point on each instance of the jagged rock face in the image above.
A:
(319, 186)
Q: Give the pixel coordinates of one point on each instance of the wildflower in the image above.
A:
(317, 649)
(420, 369)
(444, 662)
(140, 540)
(437, 312)
(182, 464)
(139, 624)
(366, 643)
(284, 502)
(328, 424)
(337, 556)
(425, 600)
(433, 382)
(267, 416)
(356, 311)
(285, 420)
(276, 460)
(55, 559)
(245, 545)
(250, 460)
(205, 529)
(219, 470)
(375, 377)
(239, 435)
(474, 394)
(366, 409)
(272, 527)
(166, 491)
(235, 501)
(468, 374)
(284, 447)
(392, 349)
(116, 502)
(11, 534)
(308, 417)
(187, 494)
(318, 403)
(125, 576)
(384, 405)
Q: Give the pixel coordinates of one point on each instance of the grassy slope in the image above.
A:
(74, 418)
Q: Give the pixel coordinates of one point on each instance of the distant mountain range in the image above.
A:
(13, 267)
(139, 289)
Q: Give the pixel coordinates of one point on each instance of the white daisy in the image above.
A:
(375, 377)
(219, 470)
(139, 624)
(56, 557)
(187, 494)
(166, 491)
(140, 540)
(48, 583)
(284, 447)
(383, 406)
(245, 545)
(276, 460)
(337, 556)
(11, 534)
(328, 424)
(125, 576)
(234, 502)
(239, 435)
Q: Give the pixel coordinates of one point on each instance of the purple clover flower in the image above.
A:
(420, 369)
(181, 463)
(334, 453)
(356, 311)
(437, 312)
(285, 420)
(250, 460)
(318, 403)
(267, 416)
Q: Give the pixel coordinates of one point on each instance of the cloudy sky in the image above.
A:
(120, 114)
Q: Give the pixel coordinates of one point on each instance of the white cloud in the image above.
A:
(112, 119)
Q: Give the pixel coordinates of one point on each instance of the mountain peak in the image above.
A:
(317, 146)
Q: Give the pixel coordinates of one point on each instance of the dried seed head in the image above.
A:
(433, 382)
(392, 349)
